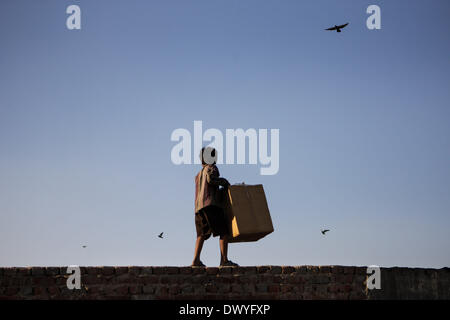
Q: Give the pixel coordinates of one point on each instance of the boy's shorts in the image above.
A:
(211, 220)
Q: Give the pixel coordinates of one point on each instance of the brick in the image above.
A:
(186, 289)
(53, 291)
(273, 288)
(312, 269)
(225, 270)
(26, 291)
(93, 270)
(320, 279)
(211, 288)
(284, 288)
(275, 269)
(297, 279)
(301, 269)
(37, 271)
(172, 270)
(91, 279)
(236, 288)
(263, 269)
(107, 270)
(8, 272)
(265, 277)
(224, 288)
(277, 279)
(148, 289)
(361, 270)
(52, 271)
(185, 270)
(198, 270)
(135, 271)
(212, 270)
(288, 270)
(337, 269)
(247, 270)
(23, 271)
(164, 279)
(11, 291)
(324, 269)
(349, 270)
(38, 291)
(120, 270)
(121, 290)
(135, 289)
(261, 287)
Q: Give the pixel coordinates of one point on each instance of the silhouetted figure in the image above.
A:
(209, 214)
(337, 28)
(324, 231)
(160, 235)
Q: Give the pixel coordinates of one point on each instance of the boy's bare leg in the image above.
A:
(198, 250)
(223, 242)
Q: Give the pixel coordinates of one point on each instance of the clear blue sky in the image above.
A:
(86, 118)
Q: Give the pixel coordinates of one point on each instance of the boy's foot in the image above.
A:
(228, 263)
(197, 264)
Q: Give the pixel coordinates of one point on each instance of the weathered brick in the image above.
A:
(236, 288)
(349, 270)
(284, 288)
(324, 269)
(121, 290)
(185, 270)
(212, 270)
(275, 269)
(198, 270)
(273, 288)
(37, 271)
(312, 269)
(301, 269)
(225, 270)
(93, 270)
(135, 271)
(172, 270)
(261, 287)
(23, 271)
(120, 270)
(135, 289)
(53, 290)
(263, 269)
(288, 269)
(211, 288)
(107, 270)
(337, 269)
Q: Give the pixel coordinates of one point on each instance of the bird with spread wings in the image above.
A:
(337, 28)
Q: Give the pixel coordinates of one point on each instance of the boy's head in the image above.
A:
(208, 155)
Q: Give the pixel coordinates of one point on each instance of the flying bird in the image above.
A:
(160, 235)
(324, 231)
(84, 246)
(337, 28)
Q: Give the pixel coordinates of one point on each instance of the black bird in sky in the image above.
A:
(323, 231)
(84, 246)
(337, 28)
(160, 235)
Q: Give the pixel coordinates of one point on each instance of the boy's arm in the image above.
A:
(212, 177)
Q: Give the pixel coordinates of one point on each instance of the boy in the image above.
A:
(209, 215)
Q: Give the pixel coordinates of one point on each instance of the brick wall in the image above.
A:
(259, 282)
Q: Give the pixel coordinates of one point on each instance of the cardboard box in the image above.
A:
(248, 213)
